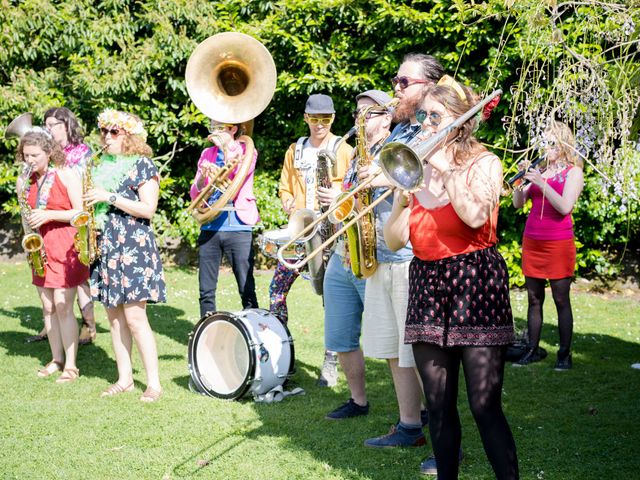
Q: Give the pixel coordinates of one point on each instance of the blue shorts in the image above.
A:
(343, 306)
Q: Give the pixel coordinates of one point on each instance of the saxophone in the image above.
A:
(32, 241)
(85, 241)
(361, 237)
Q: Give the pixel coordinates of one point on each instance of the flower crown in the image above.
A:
(128, 123)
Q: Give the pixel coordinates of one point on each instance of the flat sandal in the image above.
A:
(46, 370)
(150, 395)
(116, 389)
(68, 375)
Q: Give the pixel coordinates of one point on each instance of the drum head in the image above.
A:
(220, 361)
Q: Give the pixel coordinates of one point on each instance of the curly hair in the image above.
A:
(465, 145)
(134, 144)
(43, 140)
(75, 135)
(566, 142)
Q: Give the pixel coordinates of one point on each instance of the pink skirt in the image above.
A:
(552, 259)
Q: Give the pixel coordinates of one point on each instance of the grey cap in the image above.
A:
(319, 103)
(378, 96)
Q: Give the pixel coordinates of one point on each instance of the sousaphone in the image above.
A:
(231, 78)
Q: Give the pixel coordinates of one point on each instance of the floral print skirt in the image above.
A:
(460, 301)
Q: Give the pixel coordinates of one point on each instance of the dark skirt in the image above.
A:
(461, 300)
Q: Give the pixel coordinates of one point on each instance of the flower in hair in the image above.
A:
(128, 123)
(488, 108)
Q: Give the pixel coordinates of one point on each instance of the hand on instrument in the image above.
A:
(39, 217)
(220, 138)
(209, 170)
(327, 195)
(365, 173)
(535, 177)
(441, 159)
(96, 195)
(402, 197)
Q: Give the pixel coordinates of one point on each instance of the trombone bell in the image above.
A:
(231, 77)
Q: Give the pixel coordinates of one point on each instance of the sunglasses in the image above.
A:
(320, 120)
(220, 127)
(374, 113)
(113, 131)
(435, 118)
(405, 82)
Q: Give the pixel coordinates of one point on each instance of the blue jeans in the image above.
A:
(343, 306)
(237, 247)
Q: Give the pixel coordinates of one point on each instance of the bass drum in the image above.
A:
(233, 353)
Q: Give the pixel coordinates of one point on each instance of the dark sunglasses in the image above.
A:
(113, 131)
(405, 82)
(355, 114)
(435, 118)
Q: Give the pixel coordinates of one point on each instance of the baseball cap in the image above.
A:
(378, 96)
(319, 103)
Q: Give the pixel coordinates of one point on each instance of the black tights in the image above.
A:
(483, 372)
(560, 291)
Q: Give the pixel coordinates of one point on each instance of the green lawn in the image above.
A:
(582, 424)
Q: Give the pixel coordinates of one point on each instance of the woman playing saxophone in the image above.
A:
(54, 197)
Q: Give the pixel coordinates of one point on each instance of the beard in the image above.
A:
(406, 109)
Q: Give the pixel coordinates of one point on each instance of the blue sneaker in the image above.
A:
(398, 436)
(348, 410)
(429, 467)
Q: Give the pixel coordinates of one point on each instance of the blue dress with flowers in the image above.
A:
(129, 268)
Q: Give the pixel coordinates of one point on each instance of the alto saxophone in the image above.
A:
(32, 241)
(361, 237)
(85, 241)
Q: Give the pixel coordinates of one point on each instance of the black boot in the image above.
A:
(532, 355)
(563, 361)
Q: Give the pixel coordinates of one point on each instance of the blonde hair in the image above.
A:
(566, 142)
(46, 142)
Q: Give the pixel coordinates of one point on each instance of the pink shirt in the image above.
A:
(244, 201)
(544, 221)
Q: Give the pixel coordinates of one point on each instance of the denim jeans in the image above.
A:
(343, 306)
(237, 247)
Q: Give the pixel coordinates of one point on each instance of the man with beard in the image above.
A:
(387, 289)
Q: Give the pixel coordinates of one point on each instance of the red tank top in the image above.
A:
(440, 233)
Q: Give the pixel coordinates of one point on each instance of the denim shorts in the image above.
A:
(343, 306)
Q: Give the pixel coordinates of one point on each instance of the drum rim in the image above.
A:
(193, 368)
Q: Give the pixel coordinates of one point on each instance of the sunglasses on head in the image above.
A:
(435, 118)
(320, 120)
(373, 113)
(405, 82)
(113, 131)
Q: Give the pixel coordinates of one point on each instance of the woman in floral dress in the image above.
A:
(128, 273)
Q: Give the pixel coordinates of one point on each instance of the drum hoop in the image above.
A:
(194, 336)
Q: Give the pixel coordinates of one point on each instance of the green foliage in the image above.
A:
(132, 55)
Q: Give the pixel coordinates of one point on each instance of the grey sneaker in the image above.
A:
(329, 372)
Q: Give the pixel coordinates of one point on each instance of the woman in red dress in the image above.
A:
(54, 196)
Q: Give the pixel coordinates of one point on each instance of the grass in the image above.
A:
(582, 424)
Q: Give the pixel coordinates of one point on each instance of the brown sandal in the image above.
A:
(68, 375)
(150, 395)
(47, 370)
(116, 389)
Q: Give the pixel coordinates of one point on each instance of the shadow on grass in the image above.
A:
(92, 360)
(298, 424)
(170, 322)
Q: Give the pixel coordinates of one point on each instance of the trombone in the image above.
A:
(401, 164)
